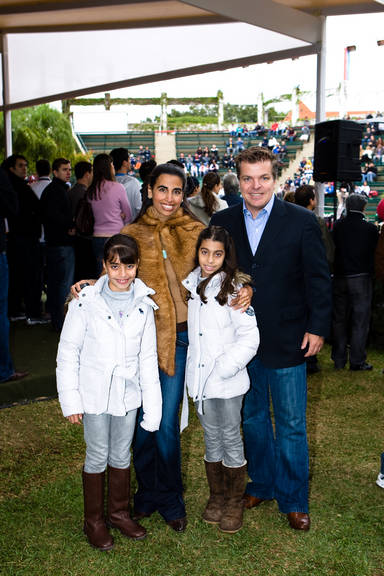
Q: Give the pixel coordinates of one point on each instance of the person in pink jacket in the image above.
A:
(110, 205)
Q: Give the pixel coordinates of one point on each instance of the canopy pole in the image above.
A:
(320, 106)
(321, 71)
(7, 119)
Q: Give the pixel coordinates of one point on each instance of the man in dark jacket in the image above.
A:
(305, 197)
(25, 281)
(279, 245)
(59, 234)
(85, 263)
(231, 189)
(355, 242)
(8, 208)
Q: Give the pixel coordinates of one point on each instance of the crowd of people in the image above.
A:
(302, 176)
(280, 130)
(223, 288)
(371, 149)
(371, 156)
(351, 250)
(212, 159)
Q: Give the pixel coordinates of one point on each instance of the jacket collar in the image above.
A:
(151, 218)
(142, 292)
(59, 183)
(196, 201)
(193, 279)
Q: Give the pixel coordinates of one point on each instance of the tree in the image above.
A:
(41, 132)
(245, 114)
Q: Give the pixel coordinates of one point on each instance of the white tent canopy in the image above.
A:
(56, 65)
(56, 49)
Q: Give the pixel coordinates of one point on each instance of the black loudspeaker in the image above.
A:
(337, 151)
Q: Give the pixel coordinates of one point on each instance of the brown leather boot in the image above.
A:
(214, 508)
(119, 486)
(234, 484)
(94, 522)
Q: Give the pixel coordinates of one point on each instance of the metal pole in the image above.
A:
(320, 107)
(6, 113)
(220, 116)
(321, 68)
(164, 113)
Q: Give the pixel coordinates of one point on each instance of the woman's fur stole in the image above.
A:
(178, 237)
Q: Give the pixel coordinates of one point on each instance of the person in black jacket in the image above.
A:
(59, 234)
(279, 245)
(25, 282)
(231, 189)
(305, 197)
(8, 208)
(355, 242)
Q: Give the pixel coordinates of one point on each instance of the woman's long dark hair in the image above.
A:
(101, 171)
(229, 267)
(160, 169)
(210, 180)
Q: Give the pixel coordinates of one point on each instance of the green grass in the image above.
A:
(41, 500)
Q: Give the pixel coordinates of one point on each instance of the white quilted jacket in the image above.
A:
(105, 368)
(221, 343)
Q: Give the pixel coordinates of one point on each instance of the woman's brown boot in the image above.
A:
(95, 527)
(214, 508)
(119, 486)
(234, 485)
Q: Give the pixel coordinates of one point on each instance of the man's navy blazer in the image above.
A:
(290, 276)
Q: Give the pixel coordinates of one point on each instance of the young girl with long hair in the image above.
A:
(207, 202)
(222, 341)
(107, 369)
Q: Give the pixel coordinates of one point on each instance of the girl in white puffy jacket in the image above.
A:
(107, 368)
(222, 341)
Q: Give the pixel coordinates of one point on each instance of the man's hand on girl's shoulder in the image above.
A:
(243, 299)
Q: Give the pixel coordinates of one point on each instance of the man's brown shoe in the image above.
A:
(299, 520)
(251, 501)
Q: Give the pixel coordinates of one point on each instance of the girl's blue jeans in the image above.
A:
(221, 421)
(108, 441)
